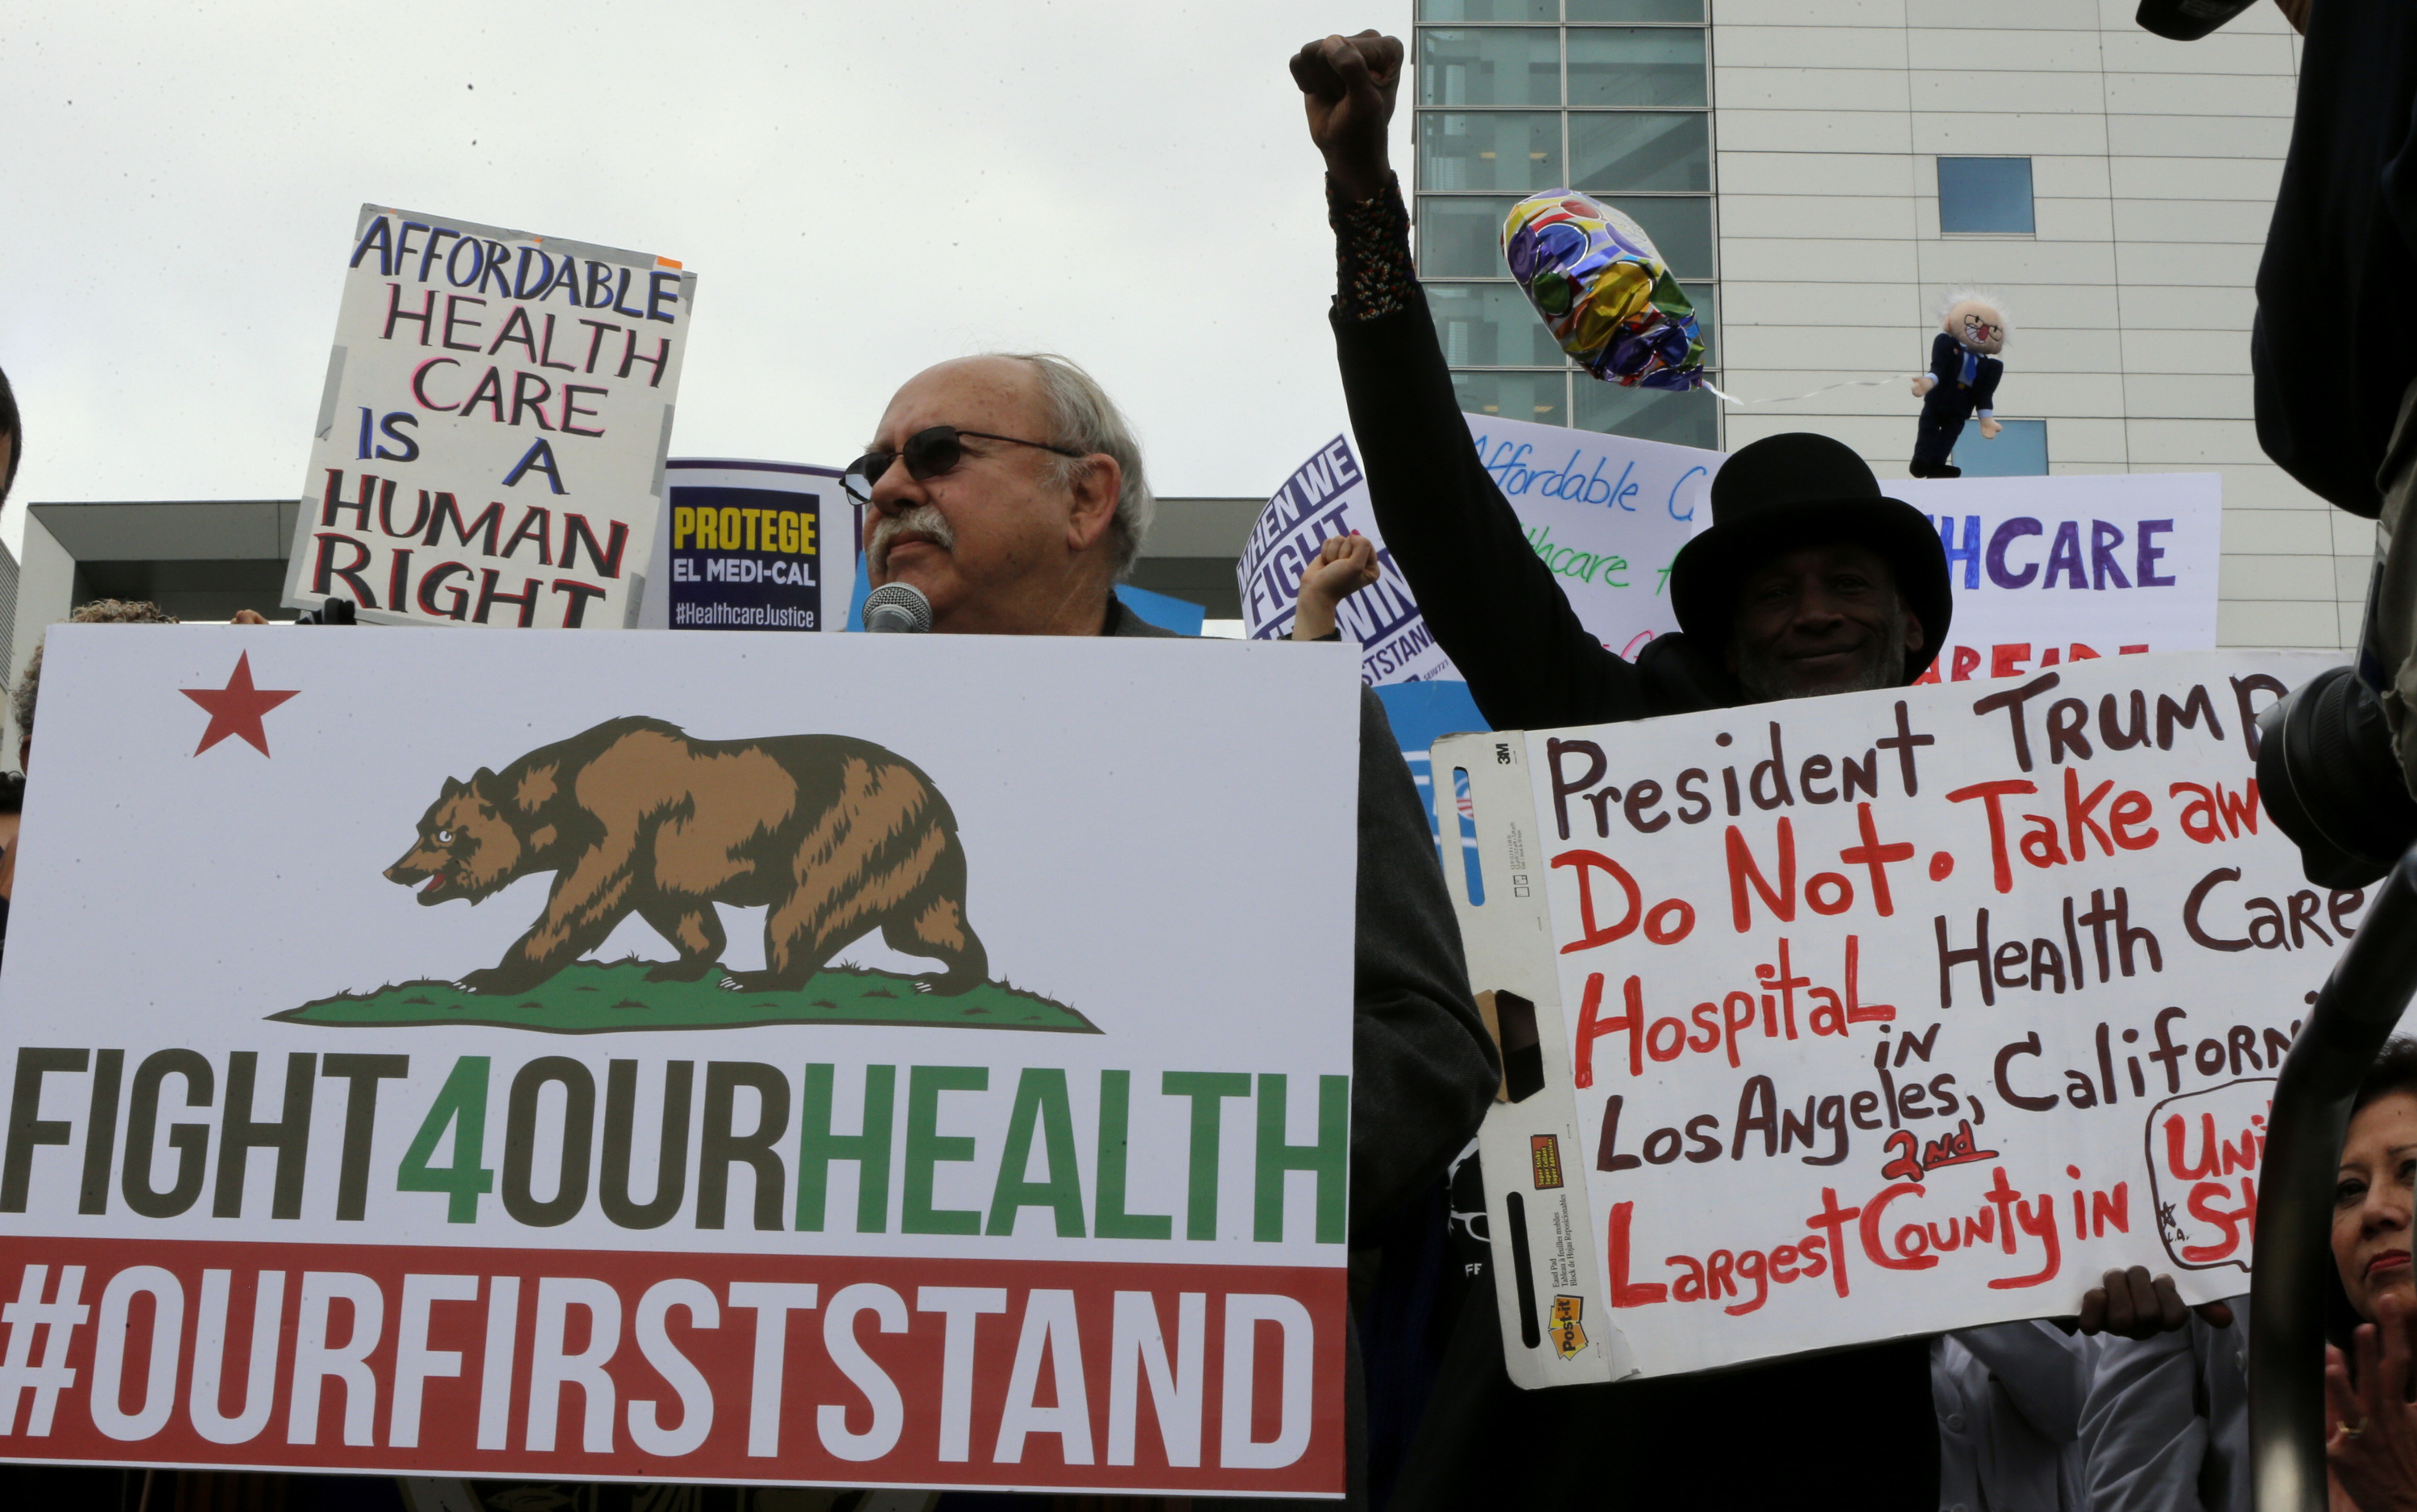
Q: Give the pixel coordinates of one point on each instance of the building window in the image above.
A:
(1684, 418)
(1658, 152)
(1638, 66)
(1985, 196)
(1514, 150)
(2019, 451)
(1609, 96)
(1541, 396)
(1544, 11)
(1461, 236)
(1489, 66)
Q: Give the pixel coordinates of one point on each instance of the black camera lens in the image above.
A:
(2327, 776)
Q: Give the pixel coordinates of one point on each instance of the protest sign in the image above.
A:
(1850, 1018)
(1606, 513)
(2048, 570)
(750, 546)
(682, 1058)
(491, 440)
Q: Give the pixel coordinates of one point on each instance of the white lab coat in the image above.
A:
(2009, 1400)
(2166, 1425)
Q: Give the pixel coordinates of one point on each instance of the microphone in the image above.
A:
(2186, 20)
(897, 609)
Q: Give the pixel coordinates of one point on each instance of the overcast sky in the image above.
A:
(863, 191)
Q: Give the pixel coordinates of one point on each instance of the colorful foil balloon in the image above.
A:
(1602, 291)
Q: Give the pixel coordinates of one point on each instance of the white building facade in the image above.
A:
(1854, 161)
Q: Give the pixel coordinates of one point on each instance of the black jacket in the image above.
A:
(1857, 1426)
(1952, 393)
(2335, 341)
(1493, 604)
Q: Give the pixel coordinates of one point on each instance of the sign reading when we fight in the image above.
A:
(490, 440)
(1844, 1019)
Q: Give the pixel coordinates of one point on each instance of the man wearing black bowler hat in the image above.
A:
(1809, 582)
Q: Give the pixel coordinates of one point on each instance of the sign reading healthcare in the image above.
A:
(491, 440)
(1885, 1014)
(745, 545)
(1606, 513)
(2050, 570)
(687, 1058)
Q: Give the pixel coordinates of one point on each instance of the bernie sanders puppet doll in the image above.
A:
(1962, 381)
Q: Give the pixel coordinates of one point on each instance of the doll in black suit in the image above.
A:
(1961, 383)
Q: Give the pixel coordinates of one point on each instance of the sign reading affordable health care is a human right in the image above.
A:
(1846, 1019)
(491, 439)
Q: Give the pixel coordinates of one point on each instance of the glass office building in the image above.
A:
(1611, 97)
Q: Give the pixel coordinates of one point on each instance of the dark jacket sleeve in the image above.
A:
(1946, 359)
(1494, 606)
(1423, 1068)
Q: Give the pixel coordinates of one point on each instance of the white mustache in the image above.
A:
(923, 520)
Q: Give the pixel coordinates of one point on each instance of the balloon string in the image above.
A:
(1830, 388)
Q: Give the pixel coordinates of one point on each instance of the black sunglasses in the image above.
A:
(929, 454)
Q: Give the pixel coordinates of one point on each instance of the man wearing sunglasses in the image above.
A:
(1009, 490)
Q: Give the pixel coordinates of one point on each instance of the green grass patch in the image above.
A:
(590, 997)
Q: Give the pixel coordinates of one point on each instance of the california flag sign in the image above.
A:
(856, 1060)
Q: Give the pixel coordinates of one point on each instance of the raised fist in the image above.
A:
(1347, 85)
(1345, 565)
(1924, 385)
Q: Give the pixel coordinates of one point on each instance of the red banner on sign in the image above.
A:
(603, 1364)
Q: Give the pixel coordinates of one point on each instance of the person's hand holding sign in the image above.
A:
(1345, 565)
(2131, 1305)
(1347, 84)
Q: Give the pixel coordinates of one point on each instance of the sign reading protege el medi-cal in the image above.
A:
(702, 1057)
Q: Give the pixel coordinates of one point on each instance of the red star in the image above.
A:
(236, 709)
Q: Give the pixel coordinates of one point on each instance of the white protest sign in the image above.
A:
(2053, 570)
(750, 546)
(1328, 496)
(1606, 513)
(683, 1058)
(491, 440)
(1846, 1019)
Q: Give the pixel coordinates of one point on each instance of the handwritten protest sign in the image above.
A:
(752, 545)
(2048, 570)
(1606, 513)
(1845, 1018)
(682, 1058)
(491, 436)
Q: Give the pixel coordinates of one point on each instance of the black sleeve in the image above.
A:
(1423, 1068)
(1946, 358)
(1494, 606)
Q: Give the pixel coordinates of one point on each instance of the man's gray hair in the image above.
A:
(1081, 414)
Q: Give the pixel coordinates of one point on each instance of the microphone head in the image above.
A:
(2186, 20)
(897, 608)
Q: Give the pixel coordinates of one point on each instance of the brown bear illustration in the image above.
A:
(833, 837)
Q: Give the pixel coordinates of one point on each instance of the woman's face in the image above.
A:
(2372, 1201)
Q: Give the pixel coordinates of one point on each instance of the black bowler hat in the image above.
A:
(1804, 489)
